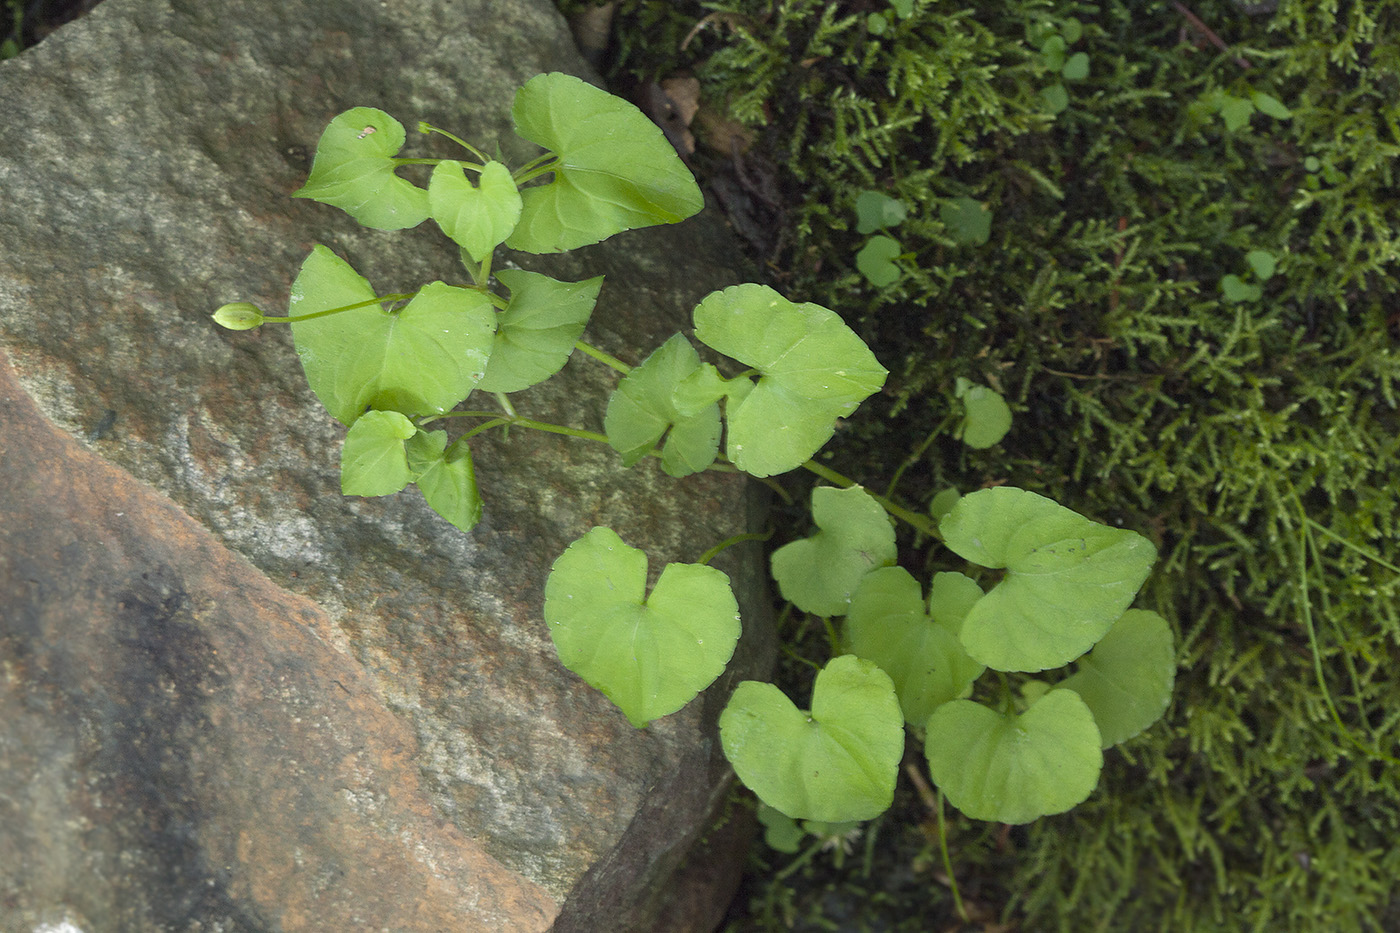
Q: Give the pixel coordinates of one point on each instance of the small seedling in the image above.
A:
(1235, 110)
(1237, 289)
(876, 259)
(880, 23)
(1053, 42)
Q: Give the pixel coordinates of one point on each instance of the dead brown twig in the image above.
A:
(1206, 31)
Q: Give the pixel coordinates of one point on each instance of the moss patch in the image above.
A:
(1253, 438)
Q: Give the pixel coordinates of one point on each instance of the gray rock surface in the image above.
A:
(231, 699)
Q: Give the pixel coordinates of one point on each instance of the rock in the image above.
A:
(230, 698)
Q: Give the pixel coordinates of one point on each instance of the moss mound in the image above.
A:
(1189, 293)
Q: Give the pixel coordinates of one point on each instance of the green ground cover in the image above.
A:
(1178, 263)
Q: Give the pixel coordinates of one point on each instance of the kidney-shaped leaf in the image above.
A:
(887, 623)
(1127, 679)
(876, 210)
(477, 217)
(541, 324)
(642, 409)
(876, 260)
(423, 359)
(373, 461)
(614, 169)
(837, 763)
(1010, 768)
(446, 477)
(819, 574)
(354, 171)
(649, 655)
(814, 370)
(1067, 581)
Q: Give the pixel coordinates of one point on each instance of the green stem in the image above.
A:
(602, 357)
(541, 165)
(1369, 555)
(359, 304)
(1305, 601)
(948, 862)
(798, 862)
(497, 419)
(482, 428)
(919, 522)
(730, 542)
(429, 128)
(833, 638)
(914, 457)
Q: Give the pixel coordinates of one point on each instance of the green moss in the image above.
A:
(1256, 442)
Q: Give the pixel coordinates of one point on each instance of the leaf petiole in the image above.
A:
(919, 522)
(730, 542)
(424, 127)
(540, 165)
(497, 419)
(602, 357)
(382, 299)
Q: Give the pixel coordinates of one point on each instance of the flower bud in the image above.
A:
(240, 315)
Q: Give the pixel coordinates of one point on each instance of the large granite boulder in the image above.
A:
(230, 698)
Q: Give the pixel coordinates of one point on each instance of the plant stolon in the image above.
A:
(390, 366)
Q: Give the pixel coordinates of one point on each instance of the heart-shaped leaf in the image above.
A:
(479, 217)
(641, 410)
(1076, 67)
(1014, 769)
(814, 370)
(1068, 579)
(613, 168)
(373, 461)
(423, 359)
(1262, 262)
(1052, 52)
(354, 171)
(649, 655)
(876, 260)
(1126, 681)
(819, 574)
(877, 211)
(968, 220)
(887, 623)
(837, 763)
(986, 416)
(446, 477)
(538, 330)
(1237, 289)
(1236, 112)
